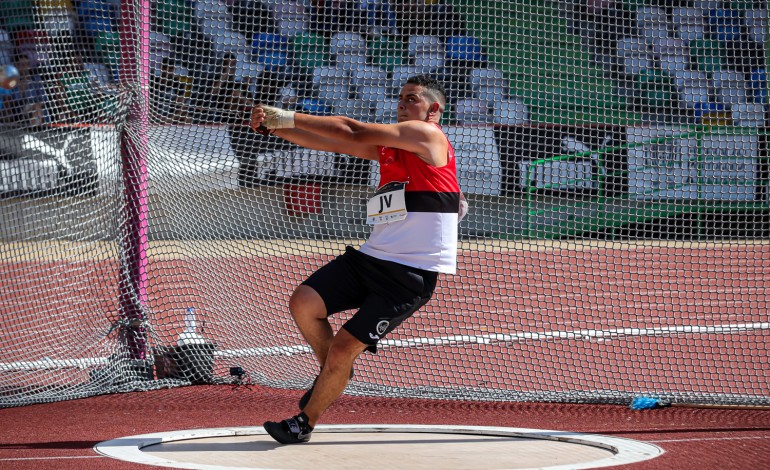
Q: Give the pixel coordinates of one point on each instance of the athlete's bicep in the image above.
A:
(421, 138)
(324, 144)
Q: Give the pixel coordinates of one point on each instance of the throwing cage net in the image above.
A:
(614, 155)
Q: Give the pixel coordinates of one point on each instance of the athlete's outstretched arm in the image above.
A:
(345, 135)
(314, 141)
(420, 137)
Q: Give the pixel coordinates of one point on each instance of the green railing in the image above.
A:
(590, 210)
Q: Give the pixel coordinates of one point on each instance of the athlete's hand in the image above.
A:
(271, 117)
(463, 211)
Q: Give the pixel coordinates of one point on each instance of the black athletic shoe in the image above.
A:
(309, 392)
(290, 431)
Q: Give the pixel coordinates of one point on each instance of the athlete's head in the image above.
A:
(422, 98)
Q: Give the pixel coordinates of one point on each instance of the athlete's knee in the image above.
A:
(306, 303)
(345, 348)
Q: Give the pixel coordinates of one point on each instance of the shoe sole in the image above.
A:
(277, 432)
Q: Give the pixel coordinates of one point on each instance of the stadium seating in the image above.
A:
(387, 53)
(99, 73)
(428, 53)
(706, 55)
(688, 23)
(486, 76)
(730, 87)
(309, 50)
(215, 23)
(290, 27)
(313, 106)
(271, 50)
(349, 50)
(17, 15)
(673, 55)
(510, 111)
(694, 88)
(175, 17)
(6, 47)
(212, 16)
(656, 90)
(246, 69)
(386, 110)
(55, 17)
(489, 84)
(108, 49)
(356, 108)
(724, 24)
(749, 115)
(36, 44)
(332, 83)
(713, 114)
(399, 76)
(466, 49)
(633, 55)
(380, 18)
(652, 23)
(160, 48)
(758, 85)
(688, 43)
(756, 23)
(473, 111)
(370, 81)
(96, 17)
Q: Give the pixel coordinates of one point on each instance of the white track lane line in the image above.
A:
(48, 363)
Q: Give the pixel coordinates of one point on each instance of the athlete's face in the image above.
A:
(414, 103)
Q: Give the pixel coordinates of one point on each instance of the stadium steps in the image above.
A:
(546, 65)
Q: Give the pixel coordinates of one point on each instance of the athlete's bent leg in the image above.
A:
(309, 312)
(334, 377)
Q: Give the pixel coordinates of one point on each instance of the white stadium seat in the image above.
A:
(749, 114)
(510, 111)
(731, 87)
(473, 111)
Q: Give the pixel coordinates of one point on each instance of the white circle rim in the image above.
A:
(625, 451)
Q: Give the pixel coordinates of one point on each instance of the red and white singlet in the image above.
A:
(427, 237)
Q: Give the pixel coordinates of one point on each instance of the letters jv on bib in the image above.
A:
(387, 204)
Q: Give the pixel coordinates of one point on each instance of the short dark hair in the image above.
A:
(431, 84)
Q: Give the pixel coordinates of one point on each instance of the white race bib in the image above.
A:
(387, 205)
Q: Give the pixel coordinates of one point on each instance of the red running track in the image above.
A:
(62, 435)
(533, 291)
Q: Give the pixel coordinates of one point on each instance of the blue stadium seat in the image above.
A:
(465, 48)
(96, 16)
(271, 50)
(758, 85)
(725, 25)
(703, 110)
(314, 106)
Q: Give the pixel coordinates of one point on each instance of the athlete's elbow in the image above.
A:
(350, 130)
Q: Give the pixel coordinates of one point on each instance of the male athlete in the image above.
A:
(414, 215)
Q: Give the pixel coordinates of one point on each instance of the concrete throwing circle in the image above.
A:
(380, 447)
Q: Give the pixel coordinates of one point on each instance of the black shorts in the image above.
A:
(385, 293)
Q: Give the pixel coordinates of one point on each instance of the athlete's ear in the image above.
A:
(433, 108)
